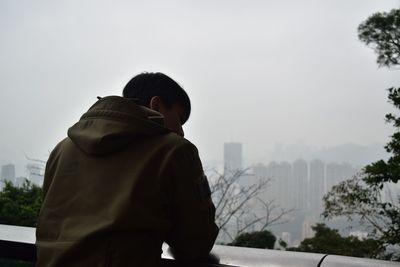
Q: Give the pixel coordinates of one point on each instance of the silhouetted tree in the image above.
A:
(235, 204)
(329, 241)
(382, 32)
(361, 196)
(258, 239)
(20, 205)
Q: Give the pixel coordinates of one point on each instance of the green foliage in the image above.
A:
(20, 205)
(360, 196)
(381, 172)
(329, 241)
(353, 197)
(382, 32)
(260, 239)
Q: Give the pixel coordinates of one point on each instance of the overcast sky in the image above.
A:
(258, 72)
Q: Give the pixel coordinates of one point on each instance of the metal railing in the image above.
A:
(18, 243)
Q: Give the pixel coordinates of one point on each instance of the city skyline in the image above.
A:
(295, 187)
(298, 185)
(357, 155)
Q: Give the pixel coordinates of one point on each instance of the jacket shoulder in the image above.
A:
(178, 141)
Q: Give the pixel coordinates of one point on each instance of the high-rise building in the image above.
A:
(8, 172)
(300, 177)
(260, 171)
(285, 185)
(279, 187)
(286, 236)
(336, 173)
(273, 176)
(232, 157)
(347, 170)
(317, 186)
(35, 173)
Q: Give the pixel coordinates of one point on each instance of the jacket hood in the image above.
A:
(114, 122)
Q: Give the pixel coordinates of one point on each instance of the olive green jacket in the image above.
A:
(118, 187)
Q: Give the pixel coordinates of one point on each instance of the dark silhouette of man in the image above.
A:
(124, 181)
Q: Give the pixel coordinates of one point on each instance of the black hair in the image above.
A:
(146, 85)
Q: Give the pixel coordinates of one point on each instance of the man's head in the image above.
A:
(161, 93)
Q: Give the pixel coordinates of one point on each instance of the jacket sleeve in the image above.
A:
(193, 213)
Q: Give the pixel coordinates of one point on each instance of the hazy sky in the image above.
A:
(258, 72)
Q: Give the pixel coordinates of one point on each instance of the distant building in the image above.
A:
(272, 193)
(317, 187)
(35, 173)
(232, 157)
(333, 175)
(300, 178)
(260, 171)
(8, 172)
(280, 186)
(285, 185)
(286, 236)
(336, 173)
(302, 185)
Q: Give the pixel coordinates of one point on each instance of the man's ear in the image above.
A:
(155, 103)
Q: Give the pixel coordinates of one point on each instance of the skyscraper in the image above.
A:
(279, 187)
(286, 236)
(232, 157)
(284, 184)
(333, 175)
(8, 172)
(336, 173)
(300, 177)
(260, 171)
(35, 173)
(317, 186)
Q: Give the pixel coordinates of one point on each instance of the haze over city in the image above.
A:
(269, 74)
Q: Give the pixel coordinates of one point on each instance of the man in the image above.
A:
(124, 181)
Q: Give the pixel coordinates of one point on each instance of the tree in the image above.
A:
(360, 197)
(20, 205)
(382, 32)
(258, 239)
(235, 205)
(357, 199)
(329, 241)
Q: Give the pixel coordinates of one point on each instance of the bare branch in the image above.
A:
(235, 204)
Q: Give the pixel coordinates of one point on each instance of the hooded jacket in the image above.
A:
(118, 187)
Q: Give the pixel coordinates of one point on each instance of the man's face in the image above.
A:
(173, 118)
